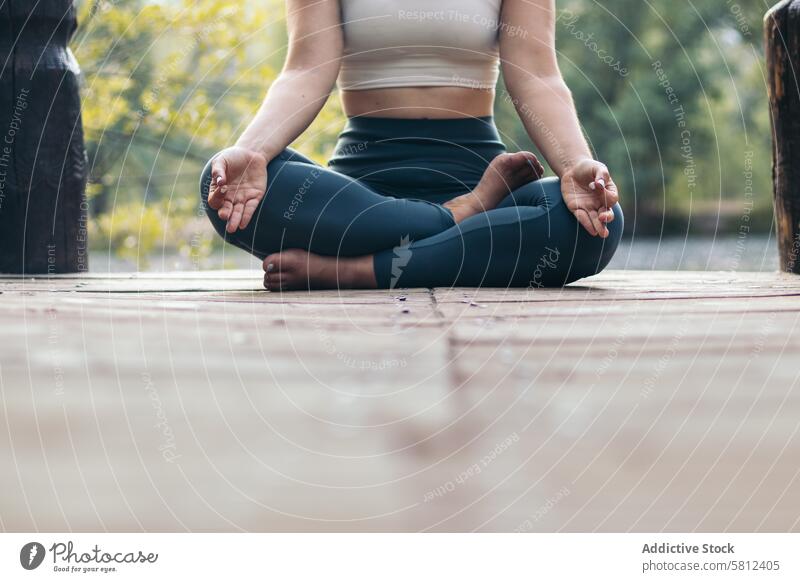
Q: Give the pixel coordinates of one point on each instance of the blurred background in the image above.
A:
(671, 95)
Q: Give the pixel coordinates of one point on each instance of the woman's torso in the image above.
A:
(416, 59)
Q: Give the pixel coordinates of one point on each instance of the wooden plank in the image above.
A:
(135, 405)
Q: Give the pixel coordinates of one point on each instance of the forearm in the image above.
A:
(291, 104)
(547, 111)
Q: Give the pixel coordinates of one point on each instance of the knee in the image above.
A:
(603, 249)
(205, 184)
(615, 228)
(546, 193)
(587, 255)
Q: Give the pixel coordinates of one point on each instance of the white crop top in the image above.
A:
(418, 43)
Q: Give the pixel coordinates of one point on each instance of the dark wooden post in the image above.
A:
(782, 34)
(42, 158)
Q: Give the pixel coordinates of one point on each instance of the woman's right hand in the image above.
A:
(238, 183)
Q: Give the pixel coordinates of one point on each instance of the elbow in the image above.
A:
(316, 65)
(322, 75)
(546, 85)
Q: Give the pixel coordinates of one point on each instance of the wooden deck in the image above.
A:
(641, 401)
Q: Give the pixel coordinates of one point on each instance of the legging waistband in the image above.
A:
(480, 129)
(432, 159)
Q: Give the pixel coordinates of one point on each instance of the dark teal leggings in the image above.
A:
(530, 240)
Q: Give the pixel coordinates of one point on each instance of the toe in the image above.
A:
(272, 263)
(274, 281)
(524, 164)
(531, 161)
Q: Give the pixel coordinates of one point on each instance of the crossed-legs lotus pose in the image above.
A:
(420, 190)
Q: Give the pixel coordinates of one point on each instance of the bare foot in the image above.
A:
(298, 269)
(505, 173)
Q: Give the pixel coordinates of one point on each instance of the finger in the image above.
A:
(227, 208)
(606, 215)
(601, 175)
(611, 197)
(599, 179)
(223, 203)
(219, 179)
(585, 221)
(249, 210)
(218, 170)
(236, 217)
(599, 227)
(214, 197)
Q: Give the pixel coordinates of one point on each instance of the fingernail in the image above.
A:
(591, 186)
(224, 189)
(270, 267)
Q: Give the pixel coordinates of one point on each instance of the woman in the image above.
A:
(420, 191)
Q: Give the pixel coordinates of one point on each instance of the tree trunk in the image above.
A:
(42, 158)
(782, 34)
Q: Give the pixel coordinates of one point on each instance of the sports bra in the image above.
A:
(418, 43)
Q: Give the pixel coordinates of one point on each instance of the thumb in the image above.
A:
(218, 180)
(601, 176)
(218, 171)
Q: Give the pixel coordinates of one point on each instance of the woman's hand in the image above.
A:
(589, 193)
(238, 183)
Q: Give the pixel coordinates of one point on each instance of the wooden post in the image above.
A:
(42, 158)
(782, 36)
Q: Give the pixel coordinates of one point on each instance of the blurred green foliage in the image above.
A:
(671, 96)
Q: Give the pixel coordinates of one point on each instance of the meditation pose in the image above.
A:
(420, 190)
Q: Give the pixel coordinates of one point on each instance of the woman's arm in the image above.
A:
(306, 80)
(544, 104)
(238, 173)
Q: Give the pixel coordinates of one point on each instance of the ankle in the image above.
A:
(355, 273)
(362, 273)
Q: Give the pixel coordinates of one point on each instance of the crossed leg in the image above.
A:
(530, 240)
(337, 232)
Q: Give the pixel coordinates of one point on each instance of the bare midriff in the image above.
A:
(419, 102)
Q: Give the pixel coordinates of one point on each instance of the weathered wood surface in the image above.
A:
(631, 401)
(782, 40)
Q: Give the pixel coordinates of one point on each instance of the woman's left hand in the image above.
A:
(589, 193)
